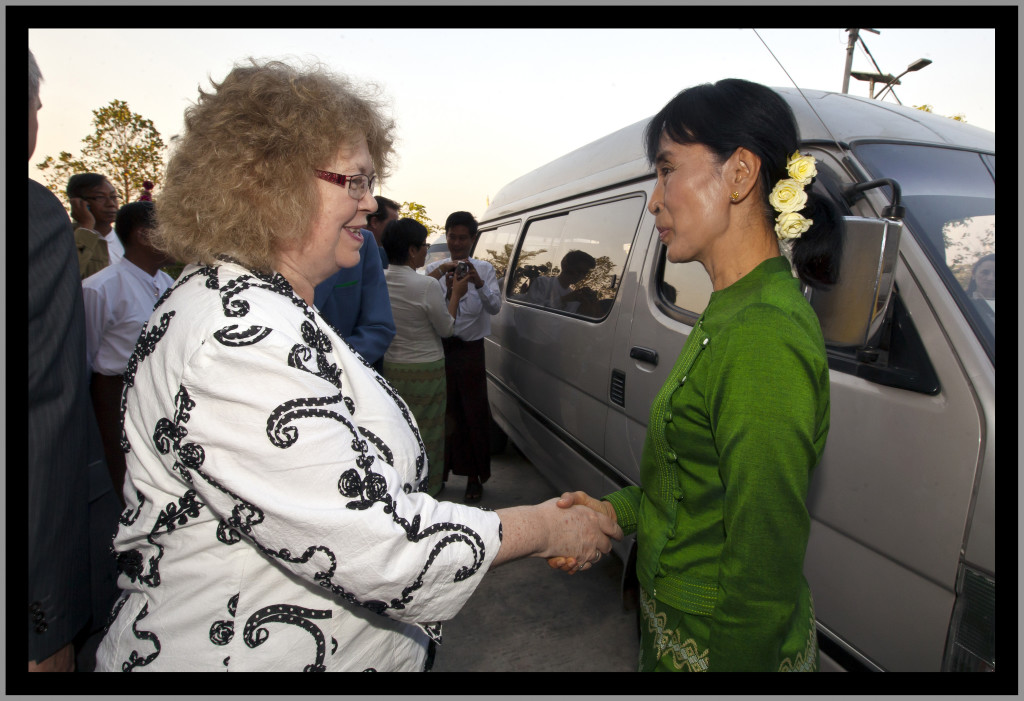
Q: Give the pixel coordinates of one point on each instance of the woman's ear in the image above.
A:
(741, 171)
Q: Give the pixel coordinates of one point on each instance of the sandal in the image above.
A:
(474, 490)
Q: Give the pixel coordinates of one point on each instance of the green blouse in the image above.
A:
(721, 517)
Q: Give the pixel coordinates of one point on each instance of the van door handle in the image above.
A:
(645, 355)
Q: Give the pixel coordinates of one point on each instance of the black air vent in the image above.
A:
(617, 391)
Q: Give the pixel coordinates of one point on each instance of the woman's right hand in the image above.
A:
(81, 214)
(458, 286)
(547, 531)
(567, 501)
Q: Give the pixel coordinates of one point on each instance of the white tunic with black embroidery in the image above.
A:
(274, 519)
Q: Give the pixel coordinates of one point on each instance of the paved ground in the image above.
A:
(526, 617)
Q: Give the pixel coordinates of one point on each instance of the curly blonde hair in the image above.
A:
(240, 178)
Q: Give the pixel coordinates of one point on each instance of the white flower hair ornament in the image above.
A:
(788, 197)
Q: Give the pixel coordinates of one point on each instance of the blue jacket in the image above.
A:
(355, 302)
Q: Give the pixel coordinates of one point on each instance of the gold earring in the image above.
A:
(735, 196)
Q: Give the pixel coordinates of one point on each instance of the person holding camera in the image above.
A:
(467, 445)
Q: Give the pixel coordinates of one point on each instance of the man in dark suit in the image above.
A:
(70, 584)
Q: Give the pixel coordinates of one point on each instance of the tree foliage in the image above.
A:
(125, 147)
(966, 241)
(960, 117)
(501, 260)
(414, 210)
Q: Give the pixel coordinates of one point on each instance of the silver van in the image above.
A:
(901, 557)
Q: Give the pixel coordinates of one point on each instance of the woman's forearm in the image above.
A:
(521, 536)
(545, 530)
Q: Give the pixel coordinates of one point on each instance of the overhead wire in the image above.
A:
(834, 139)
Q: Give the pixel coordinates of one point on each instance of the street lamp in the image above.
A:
(883, 78)
(915, 66)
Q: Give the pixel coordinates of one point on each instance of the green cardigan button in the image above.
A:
(670, 456)
(668, 417)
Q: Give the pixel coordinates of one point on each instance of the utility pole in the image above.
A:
(850, 44)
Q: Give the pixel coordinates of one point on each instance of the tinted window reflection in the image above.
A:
(573, 262)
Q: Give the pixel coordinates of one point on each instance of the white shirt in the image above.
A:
(478, 305)
(421, 316)
(115, 249)
(274, 516)
(118, 301)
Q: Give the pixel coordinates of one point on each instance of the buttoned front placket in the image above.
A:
(669, 491)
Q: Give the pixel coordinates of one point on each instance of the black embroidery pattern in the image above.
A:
(173, 515)
(233, 337)
(318, 343)
(369, 490)
(118, 605)
(433, 630)
(227, 535)
(165, 295)
(143, 349)
(169, 433)
(128, 518)
(135, 659)
(236, 307)
(211, 272)
(178, 515)
(245, 515)
(282, 435)
(222, 632)
(255, 634)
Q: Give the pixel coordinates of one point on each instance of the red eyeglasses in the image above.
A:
(357, 184)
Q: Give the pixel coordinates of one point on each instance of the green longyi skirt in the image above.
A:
(423, 387)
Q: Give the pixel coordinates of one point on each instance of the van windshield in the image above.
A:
(949, 195)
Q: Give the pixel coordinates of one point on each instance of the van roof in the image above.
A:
(619, 157)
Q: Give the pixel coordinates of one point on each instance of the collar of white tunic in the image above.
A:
(115, 249)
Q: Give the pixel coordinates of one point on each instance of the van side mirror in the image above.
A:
(852, 312)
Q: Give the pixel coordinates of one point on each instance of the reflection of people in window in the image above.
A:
(556, 291)
(983, 281)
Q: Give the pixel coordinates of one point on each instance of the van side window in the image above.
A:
(572, 262)
(684, 286)
(495, 246)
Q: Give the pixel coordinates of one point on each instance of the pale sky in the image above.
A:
(477, 108)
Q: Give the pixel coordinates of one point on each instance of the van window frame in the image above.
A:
(494, 226)
(571, 206)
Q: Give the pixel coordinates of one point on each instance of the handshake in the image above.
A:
(571, 532)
